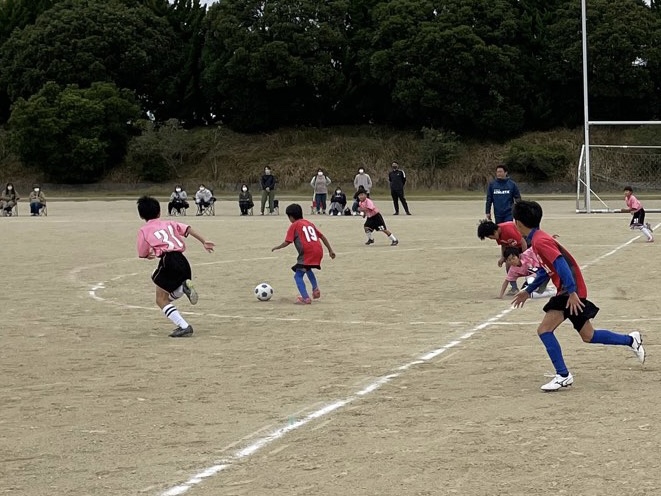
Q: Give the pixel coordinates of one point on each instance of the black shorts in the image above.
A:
(559, 302)
(375, 223)
(304, 268)
(173, 269)
(638, 218)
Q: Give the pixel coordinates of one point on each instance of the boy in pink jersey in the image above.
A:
(373, 218)
(571, 302)
(635, 208)
(164, 239)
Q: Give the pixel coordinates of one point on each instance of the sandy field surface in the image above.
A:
(407, 377)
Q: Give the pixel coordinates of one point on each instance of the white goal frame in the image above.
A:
(584, 190)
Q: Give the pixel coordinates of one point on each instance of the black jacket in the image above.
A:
(268, 181)
(397, 180)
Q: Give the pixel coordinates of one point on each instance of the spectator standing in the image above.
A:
(320, 184)
(364, 180)
(267, 183)
(502, 193)
(397, 180)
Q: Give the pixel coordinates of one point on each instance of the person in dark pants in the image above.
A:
(267, 183)
(397, 180)
(502, 193)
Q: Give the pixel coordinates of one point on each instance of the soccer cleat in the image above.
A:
(394, 243)
(189, 291)
(512, 292)
(316, 294)
(182, 333)
(637, 346)
(369, 242)
(558, 382)
(303, 301)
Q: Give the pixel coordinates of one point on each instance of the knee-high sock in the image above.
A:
(313, 279)
(173, 314)
(300, 283)
(603, 336)
(555, 352)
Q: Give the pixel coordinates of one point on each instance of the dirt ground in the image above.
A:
(408, 377)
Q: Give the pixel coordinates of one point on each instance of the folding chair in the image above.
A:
(13, 212)
(179, 213)
(210, 209)
(43, 211)
(276, 206)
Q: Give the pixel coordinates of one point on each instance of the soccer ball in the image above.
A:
(263, 292)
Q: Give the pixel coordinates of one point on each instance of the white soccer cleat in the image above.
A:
(558, 382)
(637, 346)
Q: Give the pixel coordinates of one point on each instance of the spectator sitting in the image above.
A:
(8, 199)
(245, 200)
(203, 198)
(337, 202)
(37, 200)
(178, 200)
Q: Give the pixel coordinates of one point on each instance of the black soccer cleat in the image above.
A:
(182, 333)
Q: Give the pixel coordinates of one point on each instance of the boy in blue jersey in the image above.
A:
(502, 193)
(570, 302)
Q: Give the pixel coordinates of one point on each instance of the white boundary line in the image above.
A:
(261, 442)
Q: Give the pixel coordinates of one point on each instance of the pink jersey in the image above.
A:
(161, 236)
(528, 261)
(368, 207)
(633, 203)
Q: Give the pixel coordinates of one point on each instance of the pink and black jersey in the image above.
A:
(510, 235)
(368, 207)
(633, 203)
(307, 240)
(161, 236)
(548, 250)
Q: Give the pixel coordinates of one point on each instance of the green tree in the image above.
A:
(83, 41)
(452, 67)
(73, 135)
(268, 64)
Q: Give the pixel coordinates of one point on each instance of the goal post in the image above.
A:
(605, 168)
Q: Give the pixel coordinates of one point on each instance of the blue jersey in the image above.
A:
(502, 193)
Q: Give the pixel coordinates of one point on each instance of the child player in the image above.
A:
(635, 208)
(505, 234)
(521, 265)
(570, 302)
(307, 239)
(373, 219)
(164, 239)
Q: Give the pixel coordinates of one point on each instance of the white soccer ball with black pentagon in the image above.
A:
(263, 292)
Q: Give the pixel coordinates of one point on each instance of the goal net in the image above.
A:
(610, 169)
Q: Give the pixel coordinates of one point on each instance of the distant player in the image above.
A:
(635, 208)
(164, 239)
(505, 234)
(571, 300)
(373, 219)
(307, 239)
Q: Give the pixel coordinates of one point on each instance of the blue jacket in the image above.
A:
(502, 193)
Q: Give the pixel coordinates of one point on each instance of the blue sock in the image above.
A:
(555, 353)
(300, 284)
(313, 279)
(602, 336)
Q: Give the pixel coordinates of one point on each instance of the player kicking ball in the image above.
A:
(570, 301)
(373, 218)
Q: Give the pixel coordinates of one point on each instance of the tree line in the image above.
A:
(80, 80)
